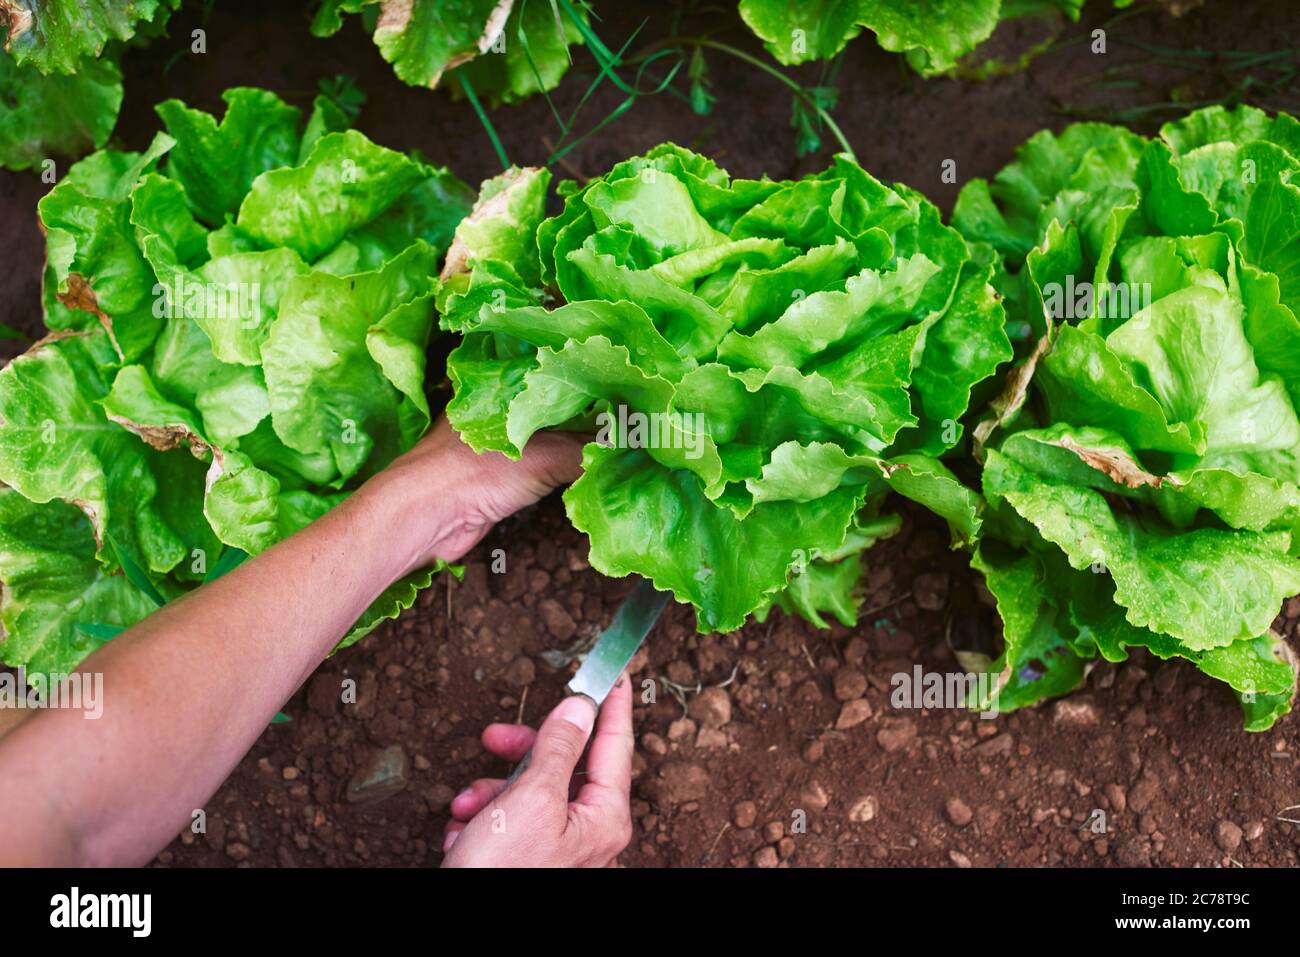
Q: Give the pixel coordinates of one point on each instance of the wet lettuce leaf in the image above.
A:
(935, 36)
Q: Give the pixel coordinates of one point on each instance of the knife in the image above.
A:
(613, 650)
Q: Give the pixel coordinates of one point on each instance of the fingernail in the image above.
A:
(464, 795)
(449, 840)
(577, 711)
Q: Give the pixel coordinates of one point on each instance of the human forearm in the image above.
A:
(188, 690)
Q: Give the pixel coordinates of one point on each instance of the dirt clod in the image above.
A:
(744, 814)
(683, 782)
(711, 707)
(850, 683)
(557, 620)
(863, 809)
(897, 734)
(930, 589)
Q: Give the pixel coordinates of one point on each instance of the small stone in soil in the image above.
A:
(744, 814)
(814, 796)
(958, 811)
(766, 857)
(383, 774)
(1075, 712)
(998, 744)
(1116, 796)
(439, 796)
(863, 809)
(853, 714)
(1228, 836)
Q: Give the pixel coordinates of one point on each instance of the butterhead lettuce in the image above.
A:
(1143, 466)
(760, 363)
(238, 318)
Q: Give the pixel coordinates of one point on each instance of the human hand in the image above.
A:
(535, 823)
(455, 496)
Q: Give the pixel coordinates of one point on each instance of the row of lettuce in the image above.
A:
(1092, 374)
(61, 82)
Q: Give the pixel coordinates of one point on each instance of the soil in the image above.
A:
(776, 745)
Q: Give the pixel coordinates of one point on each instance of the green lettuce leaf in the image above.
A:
(60, 75)
(58, 114)
(505, 50)
(56, 36)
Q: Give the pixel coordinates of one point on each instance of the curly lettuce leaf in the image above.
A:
(796, 32)
(56, 36)
(59, 603)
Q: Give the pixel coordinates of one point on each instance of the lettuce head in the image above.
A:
(759, 363)
(1142, 467)
(238, 318)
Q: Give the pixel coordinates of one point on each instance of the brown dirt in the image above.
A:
(1157, 747)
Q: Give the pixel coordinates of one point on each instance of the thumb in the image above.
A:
(560, 742)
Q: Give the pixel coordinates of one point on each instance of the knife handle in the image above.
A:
(518, 769)
(527, 759)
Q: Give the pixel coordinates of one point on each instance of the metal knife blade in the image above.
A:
(612, 651)
(619, 642)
